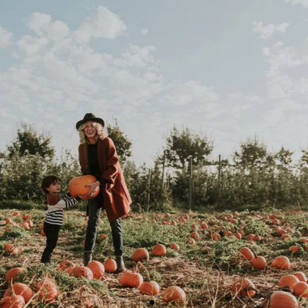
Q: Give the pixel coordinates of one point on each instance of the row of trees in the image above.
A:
(183, 175)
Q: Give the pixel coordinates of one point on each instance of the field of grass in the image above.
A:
(205, 270)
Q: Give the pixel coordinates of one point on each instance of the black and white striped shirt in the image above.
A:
(54, 215)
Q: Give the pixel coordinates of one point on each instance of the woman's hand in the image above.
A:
(93, 187)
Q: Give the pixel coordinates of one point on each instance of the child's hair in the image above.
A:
(47, 181)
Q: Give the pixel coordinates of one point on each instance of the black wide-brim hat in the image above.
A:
(90, 117)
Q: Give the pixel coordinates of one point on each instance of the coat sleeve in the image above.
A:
(112, 160)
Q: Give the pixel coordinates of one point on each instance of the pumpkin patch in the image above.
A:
(236, 254)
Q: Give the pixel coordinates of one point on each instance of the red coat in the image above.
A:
(116, 196)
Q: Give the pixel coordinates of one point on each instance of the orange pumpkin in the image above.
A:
(301, 276)
(77, 186)
(131, 279)
(97, 269)
(174, 294)
(244, 287)
(159, 250)
(246, 253)
(191, 241)
(288, 280)
(174, 246)
(281, 299)
(301, 289)
(20, 289)
(13, 273)
(82, 271)
(281, 262)
(258, 263)
(140, 254)
(102, 237)
(65, 265)
(15, 301)
(295, 248)
(48, 290)
(151, 288)
(110, 265)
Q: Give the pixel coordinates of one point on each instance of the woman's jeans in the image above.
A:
(91, 234)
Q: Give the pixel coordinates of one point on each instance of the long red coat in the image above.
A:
(115, 193)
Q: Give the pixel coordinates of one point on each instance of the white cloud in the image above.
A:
(144, 31)
(304, 3)
(266, 31)
(5, 38)
(105, 24)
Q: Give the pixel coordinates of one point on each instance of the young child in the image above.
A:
(54, 216)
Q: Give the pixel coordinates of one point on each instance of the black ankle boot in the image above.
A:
(87, 257)
(120, 264)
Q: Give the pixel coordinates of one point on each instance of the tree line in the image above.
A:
(183, 175)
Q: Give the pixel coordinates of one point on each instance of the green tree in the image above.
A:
(121, 142)
(181, 145)
(28, 141)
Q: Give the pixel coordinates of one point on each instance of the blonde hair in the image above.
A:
(101, 132)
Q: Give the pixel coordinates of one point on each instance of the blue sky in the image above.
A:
(227, 69)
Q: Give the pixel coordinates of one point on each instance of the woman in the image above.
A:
(98, 157)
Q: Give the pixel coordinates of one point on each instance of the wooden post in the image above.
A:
(219, 176)
(190, 185)
(149, 186)
(163, 177)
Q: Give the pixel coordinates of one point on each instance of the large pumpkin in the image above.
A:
(20, 289)
(15, 301)
(77, 186)
(281, 299)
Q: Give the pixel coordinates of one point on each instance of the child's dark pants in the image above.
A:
(52, 233)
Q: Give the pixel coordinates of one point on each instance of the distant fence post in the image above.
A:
(219, 177)
(149, 186)
(190, 185)
(163, 177)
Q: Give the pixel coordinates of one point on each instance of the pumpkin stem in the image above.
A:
(24, 263)
(145, 269)
(254, 253)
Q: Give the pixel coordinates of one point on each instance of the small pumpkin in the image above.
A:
(131, 279)
(246, 253)
(13, 273)
(174, 246)
(301, 276)
(281, 262)
(48, 290)
(301, 289)
(174, 294)
(288, 280)
(97, 269)
(110, 265)
(150, 287)
(140, 254)
(258, 263)
(81, 271)
(244, 287)
(159, 250)
(65, 265)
